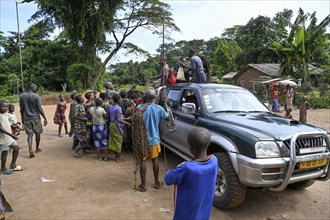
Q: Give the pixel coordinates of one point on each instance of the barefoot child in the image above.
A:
(59, 116)
(116, 127)
(288, 113)
(195, 180)
(99, 131)
(7, 139)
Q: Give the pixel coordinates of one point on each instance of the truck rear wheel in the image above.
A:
(301, 185)
(229, 192)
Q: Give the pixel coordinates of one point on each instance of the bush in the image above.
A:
(314, 99)
(319, 102)
(12, 99)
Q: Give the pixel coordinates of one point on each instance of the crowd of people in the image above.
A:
(116, 122)
(107, 123)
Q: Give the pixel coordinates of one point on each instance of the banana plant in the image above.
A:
(301, 45)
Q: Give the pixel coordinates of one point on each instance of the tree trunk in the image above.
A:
(105, 62)
(63, 86)
(90, 54)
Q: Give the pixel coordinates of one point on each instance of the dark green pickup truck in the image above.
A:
(255, 147)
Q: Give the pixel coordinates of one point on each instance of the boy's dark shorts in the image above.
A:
(33, 126)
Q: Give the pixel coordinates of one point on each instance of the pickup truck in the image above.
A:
(255, 147)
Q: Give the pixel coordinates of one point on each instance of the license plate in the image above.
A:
(313, 163)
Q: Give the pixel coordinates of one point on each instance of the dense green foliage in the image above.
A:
(71, 59)
(314, 98)
(88, 28)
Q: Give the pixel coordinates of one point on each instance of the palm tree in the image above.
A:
(301, 44)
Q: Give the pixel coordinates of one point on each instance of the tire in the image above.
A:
(229, 191)
(301, 185)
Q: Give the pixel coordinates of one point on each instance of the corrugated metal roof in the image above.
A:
(229, 75)
(271, 69)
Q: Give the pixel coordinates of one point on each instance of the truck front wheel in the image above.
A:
(229, 192)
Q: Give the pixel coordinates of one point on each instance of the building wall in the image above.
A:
(244, 79)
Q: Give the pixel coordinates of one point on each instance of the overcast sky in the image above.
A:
(197, 19)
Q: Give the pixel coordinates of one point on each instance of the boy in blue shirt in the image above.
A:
(152, 114)
(194, 180)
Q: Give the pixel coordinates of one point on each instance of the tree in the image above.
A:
(254, 39)
(224, 56)
(134, 73)
(44, 61)
(105, 25)
(302, 45)
(85, 22)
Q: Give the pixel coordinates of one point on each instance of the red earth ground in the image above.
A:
(90, 189)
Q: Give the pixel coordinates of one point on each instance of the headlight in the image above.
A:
(267, 149)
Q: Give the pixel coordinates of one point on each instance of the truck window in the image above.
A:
(173, 96)
(189, 96)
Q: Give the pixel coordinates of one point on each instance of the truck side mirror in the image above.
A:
(189, 108)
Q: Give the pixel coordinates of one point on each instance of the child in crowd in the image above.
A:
(105, 103)
(80, 126)
(88, 104)
(94, 95)
(195, 180)
(116, 127)
(125, 107)
(59, 116)
(137, 100)
(15, 126)
(125, 101)
(7, 140)
(303, 110)
(288, 113)
(100, 131)
(72, 119)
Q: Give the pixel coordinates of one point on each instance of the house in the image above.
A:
(252, 73)
(315, 74)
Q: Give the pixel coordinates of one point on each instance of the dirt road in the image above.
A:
(90, 189)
